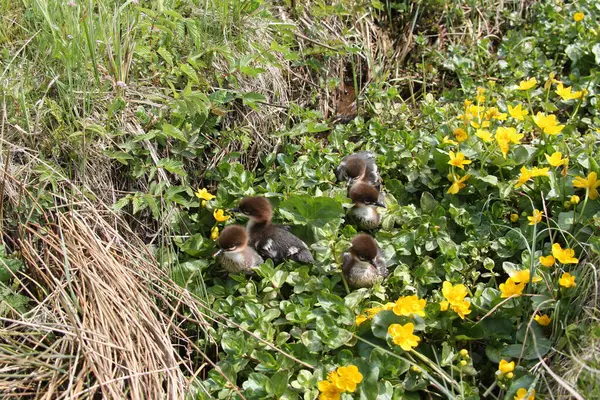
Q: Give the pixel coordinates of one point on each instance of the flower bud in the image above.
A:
(575, 199)
(514, 217)
(510, 375)
(463, 363)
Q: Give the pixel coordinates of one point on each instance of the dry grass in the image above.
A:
(107, 319)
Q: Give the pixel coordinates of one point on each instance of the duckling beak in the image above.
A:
(350, 180)
(234, 210)
(218, 253)
(380, 204)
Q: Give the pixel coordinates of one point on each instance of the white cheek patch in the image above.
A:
(292, 250)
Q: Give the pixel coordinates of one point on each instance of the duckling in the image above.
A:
(359, 167)
(269, 240)
(366, 199)
(363, 262)
(235, 255)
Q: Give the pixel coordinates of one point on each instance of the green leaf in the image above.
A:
(252, 99)
(383, 320)
(173, 166)
(257, 385)
(317, 212)
(427, 203)
(164, 53)
(173, 132)
(189, 71)
(279, 381)
(8, 266)
(120, 156)
(566, 220)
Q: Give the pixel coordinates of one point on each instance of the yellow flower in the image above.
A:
(590, 184)
(566, 93)
(514, 217)
(574, 200)
(204, 195)
(543, 320)
(527, 84)
(505, 136)
(455, 294)
(505, 367)
(447, 140)
(372, 312)
(220, 215)
(444, 305)
(547, 261)
(510, 375)
(564, 256)
(214, 233)
(548, 123)
(517, 112)
(348, 377)
(511, 288)
(477, 125)
(329, 391)
(203, 203)
(460, 135)
(360, 319)
(409, 305)
(458, 160)
(457, 185)
(524, 276)
(536, 217)
(494, 113)
(462, 308)
(535, 172)
(464, 353)
(524, 177)
(578, 16)
(567, 280)
(522, 395)
(403, 336)
(555, 159)
(484, 135)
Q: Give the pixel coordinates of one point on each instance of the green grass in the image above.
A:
(114, 113)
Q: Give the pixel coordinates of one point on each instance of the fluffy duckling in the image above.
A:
(363, 262)
(366, 199)
(235, 255)
(269, 240)
(359, 167)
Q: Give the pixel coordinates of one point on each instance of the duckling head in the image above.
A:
(256, 208)
(363, 193)
(355, 168)
(364, 248)
(234, 238)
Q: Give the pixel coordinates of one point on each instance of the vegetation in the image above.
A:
(130, 128)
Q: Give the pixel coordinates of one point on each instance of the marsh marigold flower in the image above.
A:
(564, 256)
(527, 84)
(536, 217)
(505, 367)
(566, 93)
(511, 288)
(556, 159)
(329, 391)
(447, 140)
(536, 172)
(567, 280)
(547, 261)
(522, 395)
(517, 112)
(403, 336)
(410, 305)
(348, 378)
(460, 135)
(590, 184)
(548, 123)
(214, 233)
(220, 216)
(360, 319)
(458, 160)
(574, 199)
(543, 320)
(524, 276)
(578, 16)
(457, 184)
(204, 194)
(455, 299)
(523, 177)
(484, 135)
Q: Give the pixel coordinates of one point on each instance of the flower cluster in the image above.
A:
(218, 214)
(455, 299)
(344, 379)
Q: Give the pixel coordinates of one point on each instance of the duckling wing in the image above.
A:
(278, 244)
(346, 263)
(380, 264)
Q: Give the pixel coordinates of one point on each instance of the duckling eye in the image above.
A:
(232, 248)
(361, 258)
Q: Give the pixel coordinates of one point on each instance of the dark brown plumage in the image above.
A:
(366, 199)
(269, 240)
(363, 263)
(359, 167)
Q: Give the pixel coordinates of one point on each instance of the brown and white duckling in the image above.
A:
(363, 263)
(269, 240)
(366, 200)
(357, 167)
(235, 254)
